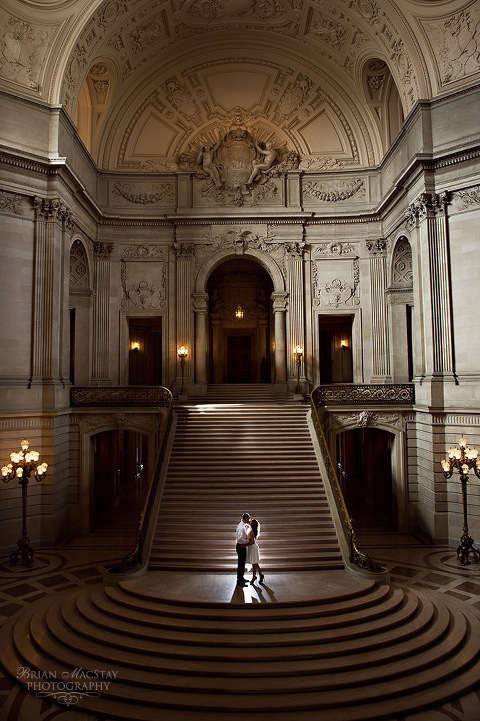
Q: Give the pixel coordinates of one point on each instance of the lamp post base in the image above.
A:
(24, 550)
(466, 548)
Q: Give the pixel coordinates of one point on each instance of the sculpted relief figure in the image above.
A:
(206, 160)
(259, 165)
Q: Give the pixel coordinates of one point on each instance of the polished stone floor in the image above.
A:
(82, 562)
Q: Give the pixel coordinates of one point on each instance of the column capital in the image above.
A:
(102, 251)
(200, 302)
(279, 301)
(377, 248)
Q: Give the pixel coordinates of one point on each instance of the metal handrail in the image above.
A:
(359, 559)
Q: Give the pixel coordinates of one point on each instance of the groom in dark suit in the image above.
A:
(242, 542)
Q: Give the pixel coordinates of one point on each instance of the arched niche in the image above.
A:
(80, 314)
(382, 96)
(401, 315)
(94, 100)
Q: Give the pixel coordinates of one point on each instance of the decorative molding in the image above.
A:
(336, 292)
(143, 294)
(142, 252)
(334, 249)
(377, 247)
(456, 40)
(23, 49)
(157, 192)
(11, 202)
(52, 209)
(467, 199)
(102, 251)
(334, 191)
(365, 419)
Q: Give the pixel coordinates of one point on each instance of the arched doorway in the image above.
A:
(364, 458)
(240, 315)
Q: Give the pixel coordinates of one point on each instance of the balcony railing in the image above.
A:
(364, 394)
(131, 396)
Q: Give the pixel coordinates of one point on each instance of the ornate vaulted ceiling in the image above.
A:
(148, 82)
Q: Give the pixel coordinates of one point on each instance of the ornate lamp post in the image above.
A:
(182, 353)
(463, 459)
(21, 466)
(298, 354)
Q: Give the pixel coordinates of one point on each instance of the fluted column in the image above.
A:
(185, 334)
(279, 308)
(429, 215)
(52, 220)
(380, 339)
(296, 303)
(200, 306)
(101, 315)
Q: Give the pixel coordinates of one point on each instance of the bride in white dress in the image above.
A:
(253, 554)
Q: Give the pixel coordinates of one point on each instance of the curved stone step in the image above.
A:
(420, 660)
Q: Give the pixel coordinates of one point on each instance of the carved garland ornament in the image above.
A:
(341, 191)
(159, 192)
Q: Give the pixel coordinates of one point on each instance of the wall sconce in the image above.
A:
(298, 354)
(463, 459)
(21, 466)
(343, 344)
(239, 313)
(182, 353)
(135, 346)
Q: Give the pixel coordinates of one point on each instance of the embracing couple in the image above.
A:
(248, 530)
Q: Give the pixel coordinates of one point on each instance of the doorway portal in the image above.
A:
(120, 473)
(364, 458)
(145, 354)
(240, 318)
(335, 352)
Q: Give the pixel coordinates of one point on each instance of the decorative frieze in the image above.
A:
(143, 251)
(334, 249)
(467, 199)
(144, 293)
(456, 40)
(334, 191)
(11, 202)
(338, 291)
(157, 193)
(365, 419)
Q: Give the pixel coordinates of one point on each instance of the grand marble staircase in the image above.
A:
(182, 643)
(253, 453)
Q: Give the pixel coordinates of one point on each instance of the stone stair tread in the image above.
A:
(317, 687)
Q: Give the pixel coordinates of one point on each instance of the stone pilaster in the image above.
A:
(279, 301)
(429, 216)
(101, 315)
(380, 340)
(52, 221)
(200, 307)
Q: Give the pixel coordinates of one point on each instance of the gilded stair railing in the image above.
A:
(357, 558)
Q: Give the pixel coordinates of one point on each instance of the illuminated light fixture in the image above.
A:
(343, 344)
(182, 353)
(463, 459)
(135, 345)
(298, 354)
(239, 312)
(21, 466)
